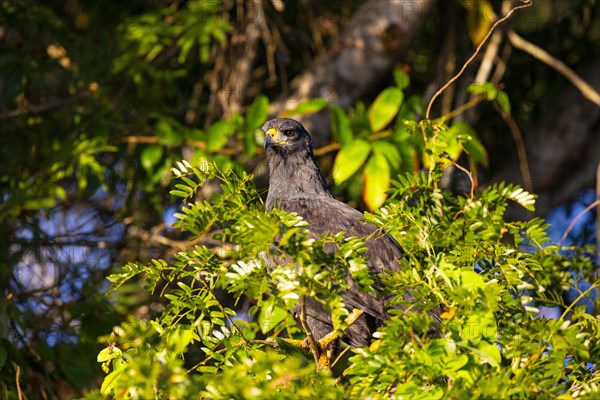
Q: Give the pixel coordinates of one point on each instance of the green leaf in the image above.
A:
(489, 354)
(456, 363)
(377, 181)
(349, 159)
(384, 108)
(471, 280)
(503, 101)
(179, 193)
(410, 159)
(340, 125)
(390, 151)
(39, 204)
(150, 156)
(487, 88)
(111, 380)
(108, 354)
(257, 113)
(270, 316)
(217, 135)
(401, 78)
(310, 106)
(167, 135)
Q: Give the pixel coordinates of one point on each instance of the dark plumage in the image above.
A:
(297, 185)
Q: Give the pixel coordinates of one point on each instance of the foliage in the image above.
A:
(489, 275)
(99, 99)
(380, 153)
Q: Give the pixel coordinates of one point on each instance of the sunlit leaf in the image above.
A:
(401, 78)
(503, 101)
(218, 134)
(390, 151)
(150, 156)
(310, 106)
(340, 125)
(349, 159)
(377, 181)
(257, 113)
(384, 108)
(489, 354)
(487, 88)
(167, 135)
(270, 316)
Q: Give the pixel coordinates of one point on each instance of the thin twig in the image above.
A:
(526, 3)
(459, 110)
(156, 238)
(193, 143)
(222, 309)
(314, 348)
(521, 151)
(40, 108)
(18, 378)
(470, 175)
(577, 218)
(588, 91)
(339, 357)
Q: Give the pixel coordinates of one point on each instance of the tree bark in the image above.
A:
(378, 35)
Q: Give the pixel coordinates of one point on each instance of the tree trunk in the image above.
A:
(378, 35)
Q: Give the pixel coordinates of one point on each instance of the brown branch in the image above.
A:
(314, 347)
(588, 91)
(521, 152)
(193, 143)
(487, 61)
(526, 3)
(38, 108)
(470, 175)
(334, 335)
(18, 379)
(459, 110)
(156, 238)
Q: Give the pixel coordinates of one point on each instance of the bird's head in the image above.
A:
(292, 168)
(286, 135)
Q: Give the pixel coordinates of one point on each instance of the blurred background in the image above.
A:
(99, 99)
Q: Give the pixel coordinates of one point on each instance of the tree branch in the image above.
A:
(577, 218)
(314, 347)
(588, 92)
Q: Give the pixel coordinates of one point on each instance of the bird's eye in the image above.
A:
(290, 133)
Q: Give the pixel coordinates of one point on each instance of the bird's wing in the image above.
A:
(328, 215)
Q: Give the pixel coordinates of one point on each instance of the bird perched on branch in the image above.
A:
(297, 185)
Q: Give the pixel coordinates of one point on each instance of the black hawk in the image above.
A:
(297, 185)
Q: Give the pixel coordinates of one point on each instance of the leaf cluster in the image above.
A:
(489, 277)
